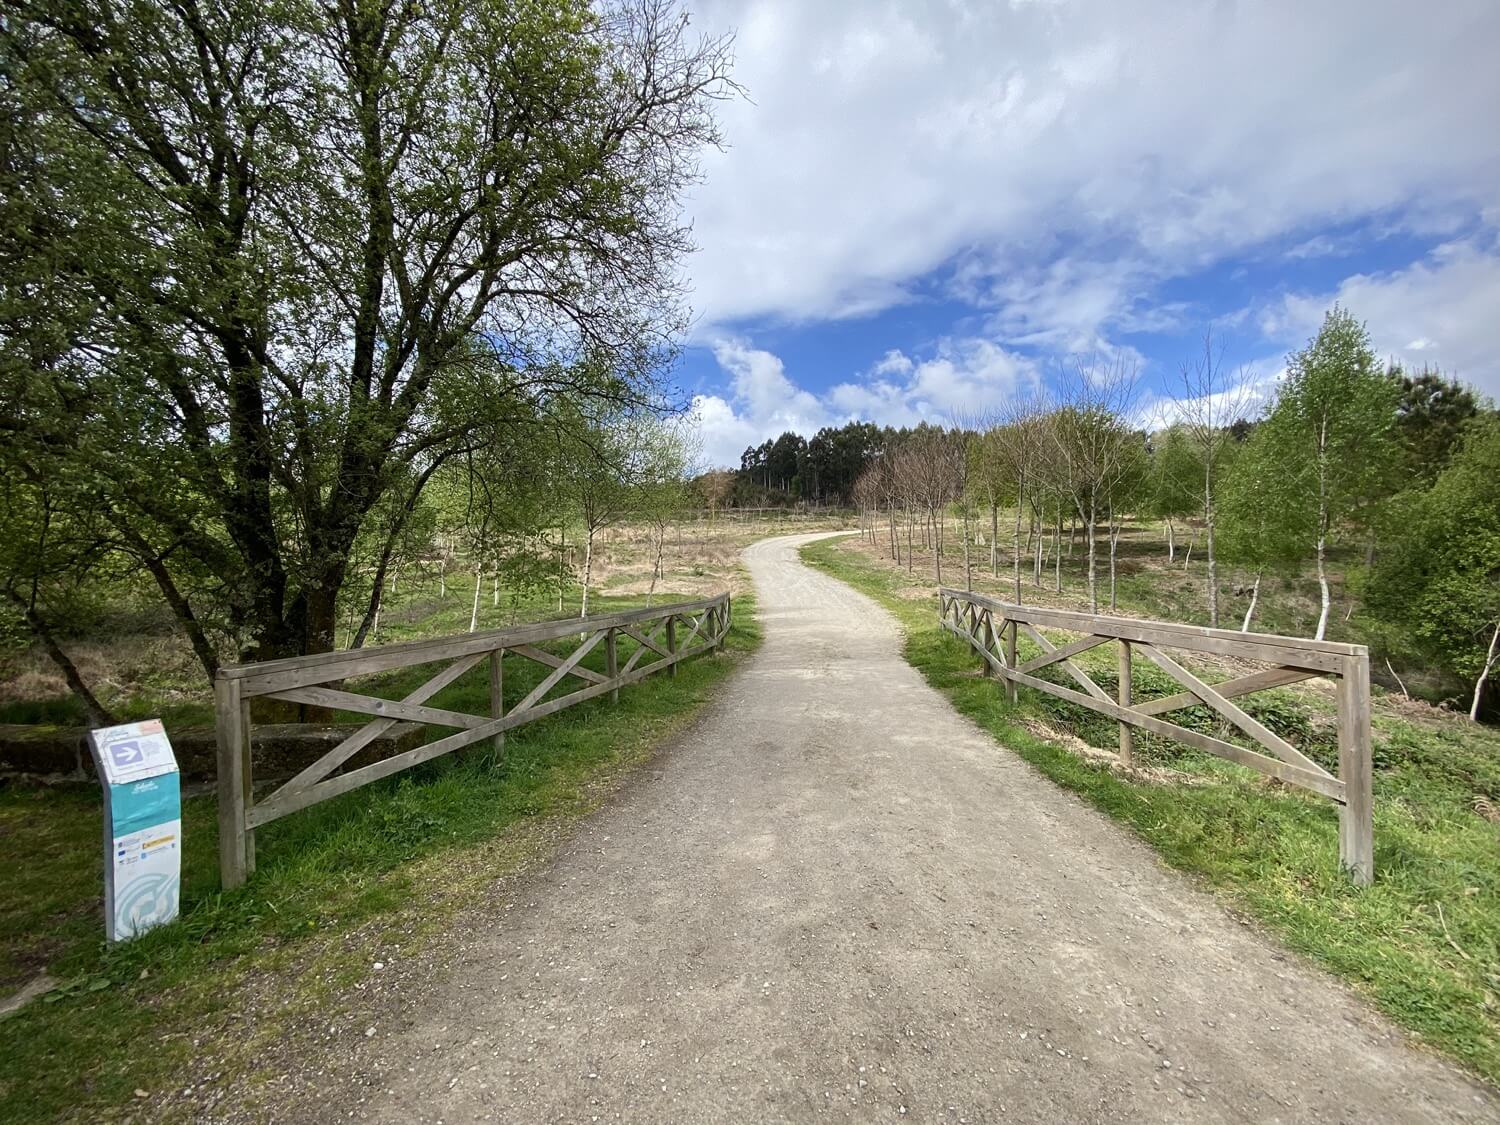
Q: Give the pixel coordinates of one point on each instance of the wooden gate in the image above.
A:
(670, 633)
(992, 626)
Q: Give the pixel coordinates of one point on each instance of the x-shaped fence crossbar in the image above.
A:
(664, 635)
(992, 628)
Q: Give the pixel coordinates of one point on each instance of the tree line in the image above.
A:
(1395, 471)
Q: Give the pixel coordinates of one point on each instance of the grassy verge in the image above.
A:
(391, 860)
(1423, 943)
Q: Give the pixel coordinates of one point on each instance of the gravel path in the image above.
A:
(836, 898)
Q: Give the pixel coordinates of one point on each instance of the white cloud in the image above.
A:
(962, 380)
(1438, 312)
(1076, 154)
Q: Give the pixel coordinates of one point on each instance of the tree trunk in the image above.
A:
(1057, 554)
(968, 571)
(1322, 530)
(1322, 587)
(656, 568)
(1035, 547)
(98, 714)
(909, 547)
(1213, 562)
(1016, 547)
(1114, 544)
(1250, 609)
(588, 570)
(1489, 662)
(995, 537)
(1171, 542)
(1093, 567)
(937, 542)
(478, 586)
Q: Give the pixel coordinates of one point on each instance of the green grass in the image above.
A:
(367, 858)
(1273, 852)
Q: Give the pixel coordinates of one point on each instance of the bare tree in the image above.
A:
(1210, 404)
(1018, 448)
(1091, 444)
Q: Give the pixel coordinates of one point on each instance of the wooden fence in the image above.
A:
(992, 627)
(306, 679)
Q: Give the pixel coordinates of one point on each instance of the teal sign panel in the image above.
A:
(142, 826)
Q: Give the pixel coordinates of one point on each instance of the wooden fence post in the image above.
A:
(1010, 660)
(1127, 732)
(672, 643)
(612, 664)
(988, 625)
(497, 695)
(1356, 819)
(235, 840)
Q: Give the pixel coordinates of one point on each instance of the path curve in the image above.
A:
(837, 898)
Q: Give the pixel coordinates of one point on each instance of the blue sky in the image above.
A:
(926, 208)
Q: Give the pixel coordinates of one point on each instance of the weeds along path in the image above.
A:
(834, 897)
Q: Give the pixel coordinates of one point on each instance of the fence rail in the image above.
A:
(305, 679)
(992, 627)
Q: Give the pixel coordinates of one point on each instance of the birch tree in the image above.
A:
(1210, 403)
(1330, 432)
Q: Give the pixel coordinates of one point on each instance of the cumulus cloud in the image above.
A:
(1438, 312)
(962, 380)
(1071, 156)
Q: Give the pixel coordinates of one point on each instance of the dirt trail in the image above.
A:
(837, 898)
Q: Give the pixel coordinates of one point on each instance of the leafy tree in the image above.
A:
(1264, 526)
(1435, 587)
(1174, 488)
(667, 450)
(1430, 420)
(266, 264)
(716, 487)
(1329, 433)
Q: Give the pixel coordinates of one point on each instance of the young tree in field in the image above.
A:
(665, 451)
(1435, 588)
(908, 481)
(990, 478)
(1174, 488)
(1092, 447)
(295, 257)
(1017, 447)
(1211, 404)
(1330, 431)
(868, 494)
(600, 467)
(1126, 495)
(1263, 525)
(716, 486)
